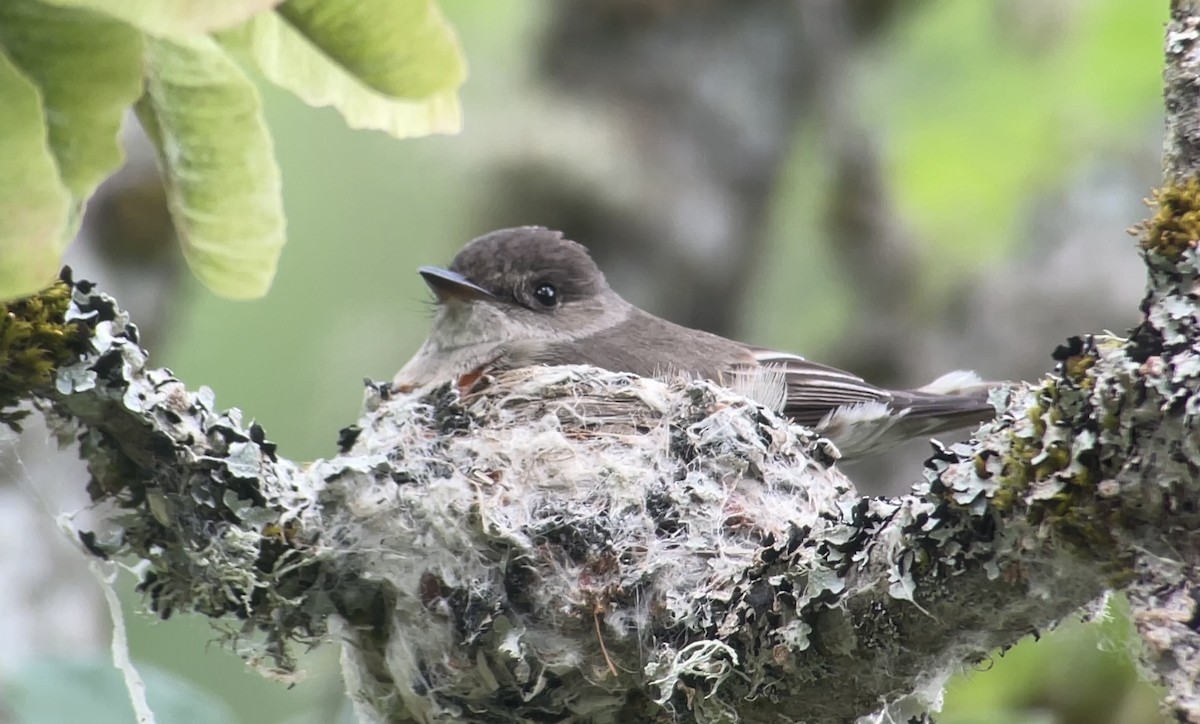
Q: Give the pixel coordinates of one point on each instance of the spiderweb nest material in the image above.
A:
(572, 534)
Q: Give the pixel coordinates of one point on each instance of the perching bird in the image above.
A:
(527, 296)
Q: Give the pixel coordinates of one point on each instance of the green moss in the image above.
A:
(1073, 512)
(1175, 226)
(1035, 418)
(34, 341)
(1076, 367)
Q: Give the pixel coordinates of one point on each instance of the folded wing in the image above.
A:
(860, 417)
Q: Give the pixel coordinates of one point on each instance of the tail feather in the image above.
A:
(931, 413)
(861, 418)
(875, 427)
(958, 382)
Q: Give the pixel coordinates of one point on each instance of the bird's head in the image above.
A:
(528, 279)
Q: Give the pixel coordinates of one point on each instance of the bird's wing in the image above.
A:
(811, 390)
(860, 417)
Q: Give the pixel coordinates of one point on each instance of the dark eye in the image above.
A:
(546, 294)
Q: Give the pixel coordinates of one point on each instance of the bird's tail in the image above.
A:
(958, 382)
(954, 401)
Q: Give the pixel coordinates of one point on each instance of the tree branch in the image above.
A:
(1181, 145)
(572, 541)
(1165, 593)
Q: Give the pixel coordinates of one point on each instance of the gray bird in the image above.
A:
(527, 296)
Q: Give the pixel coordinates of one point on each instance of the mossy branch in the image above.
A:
(573, 542)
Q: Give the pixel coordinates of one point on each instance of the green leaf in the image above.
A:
(50, 690)
(402, 48)
(288, 59)
(35, 206)
(218, 165)
(173, 18)
(88, 70)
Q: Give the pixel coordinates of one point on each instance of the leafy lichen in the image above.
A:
(1050, 468)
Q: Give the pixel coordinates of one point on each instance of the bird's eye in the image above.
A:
(546, 294)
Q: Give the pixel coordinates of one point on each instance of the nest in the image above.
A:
(556, 541)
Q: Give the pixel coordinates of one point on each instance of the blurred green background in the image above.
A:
(1000, 128)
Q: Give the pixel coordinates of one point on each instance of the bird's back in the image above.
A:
(649, 346)
(858, 416)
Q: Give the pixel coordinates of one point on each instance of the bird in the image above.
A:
(526, 296)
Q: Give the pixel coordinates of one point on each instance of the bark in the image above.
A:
(1165, 591)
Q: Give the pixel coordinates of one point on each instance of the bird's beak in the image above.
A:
(448, 285)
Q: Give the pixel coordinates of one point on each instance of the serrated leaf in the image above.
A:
(218, 165)
(289, 60)
(88, 70)
(402, 48)
(35, 206)
(174, 18)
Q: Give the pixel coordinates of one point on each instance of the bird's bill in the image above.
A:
(447, 285)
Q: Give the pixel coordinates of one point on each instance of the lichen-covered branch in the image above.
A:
(1181, 147)
(1165, 590)
(571, 542)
